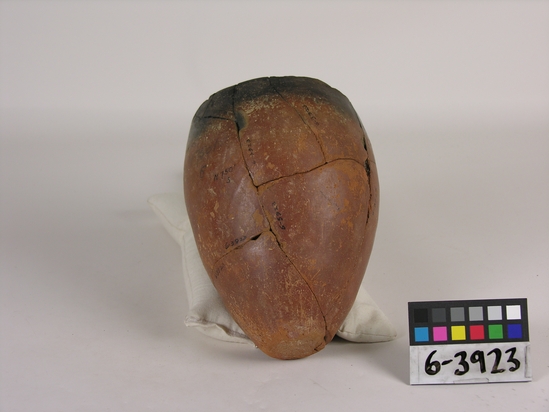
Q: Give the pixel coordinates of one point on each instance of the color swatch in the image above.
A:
(469, 341)
(468, 321)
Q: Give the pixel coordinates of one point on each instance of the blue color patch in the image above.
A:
(421, 334)
(514, 331)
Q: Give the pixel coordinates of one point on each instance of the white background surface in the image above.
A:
(96, 99)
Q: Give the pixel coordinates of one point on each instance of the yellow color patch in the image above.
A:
(458, 332)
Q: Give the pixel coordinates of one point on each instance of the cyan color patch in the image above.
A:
(421, 334)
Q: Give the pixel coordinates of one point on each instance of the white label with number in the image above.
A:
(471, 363)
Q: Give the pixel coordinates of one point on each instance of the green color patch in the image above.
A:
(495, 331)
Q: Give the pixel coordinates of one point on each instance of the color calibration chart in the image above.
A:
(469, 341)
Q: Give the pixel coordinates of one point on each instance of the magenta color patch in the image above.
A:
(440, 334)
